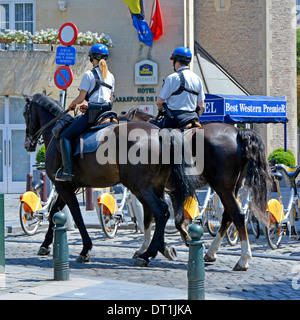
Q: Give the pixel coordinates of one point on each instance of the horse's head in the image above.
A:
(33, 117)
(134, 114)
(32, 124)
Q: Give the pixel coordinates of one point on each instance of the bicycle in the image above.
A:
(115, 207)
(284, 208)
(33, 211)
(119, 206)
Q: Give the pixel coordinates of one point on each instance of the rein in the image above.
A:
(37, 135)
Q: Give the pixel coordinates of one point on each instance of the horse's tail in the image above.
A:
(184, 174)
(258, 175)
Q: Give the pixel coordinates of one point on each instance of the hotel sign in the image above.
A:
(146, 72)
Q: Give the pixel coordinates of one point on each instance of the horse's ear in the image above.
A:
(27, 98)
(44, 92)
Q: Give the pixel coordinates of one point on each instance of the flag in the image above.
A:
(156, 24)
(136, 8)
(144, 33)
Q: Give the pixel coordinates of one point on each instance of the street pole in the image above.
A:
(2, 235)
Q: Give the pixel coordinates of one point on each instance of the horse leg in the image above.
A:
(180, 223)
(66, 191)
(44, 248)
(147, 233)
(210, 255)
(161, 215)
(240, 223)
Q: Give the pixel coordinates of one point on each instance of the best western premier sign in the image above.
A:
(146, 72)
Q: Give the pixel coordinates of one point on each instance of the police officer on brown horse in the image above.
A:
(96, 87)
(182, 97)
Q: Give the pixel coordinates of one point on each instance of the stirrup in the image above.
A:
(63, 176)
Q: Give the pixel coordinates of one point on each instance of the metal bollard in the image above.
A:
(29, 179)
(60, 247)
(89, 199)
(2, 235)
(44, 189)
(196, 270)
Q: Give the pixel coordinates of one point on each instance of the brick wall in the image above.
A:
(256, 42)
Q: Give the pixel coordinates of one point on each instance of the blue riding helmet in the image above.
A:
(99, 51)
(182, 54)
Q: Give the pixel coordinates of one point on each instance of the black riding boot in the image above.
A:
(66, 172)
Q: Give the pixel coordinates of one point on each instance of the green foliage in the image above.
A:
(298, 51)
(40, 156)
(282, 157)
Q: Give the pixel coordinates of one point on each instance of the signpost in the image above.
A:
(65, 56)
(63, 77)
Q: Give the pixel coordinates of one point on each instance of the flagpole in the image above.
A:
(152, 12)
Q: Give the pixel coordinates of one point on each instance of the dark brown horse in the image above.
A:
(231, 157)
(103, 168)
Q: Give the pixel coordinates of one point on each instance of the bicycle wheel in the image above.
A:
(29, 223)
(232, 235)
(274, 235)
(213, 223)
(254, 223)
(108, 221)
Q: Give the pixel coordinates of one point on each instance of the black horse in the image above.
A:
(145, 180)
(231, 157)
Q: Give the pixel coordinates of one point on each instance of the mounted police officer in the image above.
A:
(182, 97)
(96, 87)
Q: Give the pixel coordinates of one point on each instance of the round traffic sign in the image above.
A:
(63, 77)
(68, 34)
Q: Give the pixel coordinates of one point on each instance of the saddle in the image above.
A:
(89, 140)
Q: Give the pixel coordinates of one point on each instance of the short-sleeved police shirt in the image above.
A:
(185, 101)
(103, 95)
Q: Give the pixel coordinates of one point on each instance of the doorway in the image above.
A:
(15, 161)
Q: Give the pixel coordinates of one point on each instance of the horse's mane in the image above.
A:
(47, 103)
(136, 111)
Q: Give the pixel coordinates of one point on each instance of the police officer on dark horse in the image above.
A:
(147, 181)
(97, 87)
(181, 100)
(231, 157)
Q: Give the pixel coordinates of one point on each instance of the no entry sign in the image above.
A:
(63, 77)
(68, 34)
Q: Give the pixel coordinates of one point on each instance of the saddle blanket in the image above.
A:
(91, 141)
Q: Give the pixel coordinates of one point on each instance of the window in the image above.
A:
(222, 5)
(17, 15)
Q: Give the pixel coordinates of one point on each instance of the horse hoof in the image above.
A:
(136, 255)
(208, 258)
(83, 259)
(43, 251)
(238, 267)
(139, 262)
(170, 253)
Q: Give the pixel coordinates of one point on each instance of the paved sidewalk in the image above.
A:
(273, 274)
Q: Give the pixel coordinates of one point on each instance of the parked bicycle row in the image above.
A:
(116, 206)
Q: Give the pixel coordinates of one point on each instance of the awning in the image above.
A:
(244, 109)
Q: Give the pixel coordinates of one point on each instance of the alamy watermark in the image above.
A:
(134, 146)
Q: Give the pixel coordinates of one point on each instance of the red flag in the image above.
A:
(156, 24)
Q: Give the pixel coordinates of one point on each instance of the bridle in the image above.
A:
(34, 138)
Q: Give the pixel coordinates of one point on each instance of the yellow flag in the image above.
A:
(134, 6)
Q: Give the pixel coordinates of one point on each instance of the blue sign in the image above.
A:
(232, 109)
(66, 55)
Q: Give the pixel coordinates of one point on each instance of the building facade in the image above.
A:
(254, 40)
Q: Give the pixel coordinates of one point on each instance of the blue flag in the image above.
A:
(143, 30)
